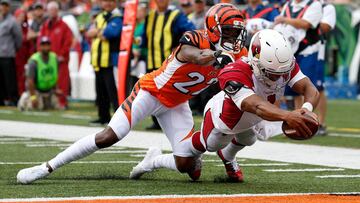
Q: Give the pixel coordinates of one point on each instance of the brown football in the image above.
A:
(291, 133)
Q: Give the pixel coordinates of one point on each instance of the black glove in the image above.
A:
(222, 59)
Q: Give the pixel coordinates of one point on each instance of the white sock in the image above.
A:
(229, 152)
(165, 161)
(81, 148)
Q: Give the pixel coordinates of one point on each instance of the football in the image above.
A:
(291, 133)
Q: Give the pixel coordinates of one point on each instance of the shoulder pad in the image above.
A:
(232, 87)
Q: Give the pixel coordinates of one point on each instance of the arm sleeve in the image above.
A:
(313, 14)
(191, 38)
(329, 15)
(296, 75)
(17, 33)
(113, 28)
(183, 24)
(67, 42)
(30, 69)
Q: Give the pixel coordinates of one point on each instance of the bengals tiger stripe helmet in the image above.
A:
(224, 25)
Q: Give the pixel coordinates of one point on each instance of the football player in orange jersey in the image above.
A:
(164, 93)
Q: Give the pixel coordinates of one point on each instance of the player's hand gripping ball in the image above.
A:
(313, 126)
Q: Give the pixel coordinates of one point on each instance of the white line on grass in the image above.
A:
(219, 160)
(36, 113)
(30, 142)
(45, 199)
(47, 145)
(137, 155)
(75, 162)
(6, 139)
(80, 117)
(121, 152)
(262, 164)
(344, 135)
(304, 170)
(339, 176)
(6, 111)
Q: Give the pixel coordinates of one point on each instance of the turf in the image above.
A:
(343, 117)
(112, 179)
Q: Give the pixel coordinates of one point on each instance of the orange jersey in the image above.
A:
(176, 82)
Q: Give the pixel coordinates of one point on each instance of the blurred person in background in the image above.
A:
(138, 62)
(197, 17)
(105, 33)
(164, 27)
(186, 7)
(41, 79)
(61, 39)
(258, 17)
(38, 18)
(298, 23)
(327, 24)
(25, 51)
(10, 42)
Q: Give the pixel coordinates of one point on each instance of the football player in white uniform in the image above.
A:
(249, 89)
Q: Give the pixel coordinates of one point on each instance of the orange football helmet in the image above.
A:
(224, 25)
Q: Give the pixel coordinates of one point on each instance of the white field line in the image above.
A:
(339, 176)
(137, 155)
(169, 196)
(6, 111)
(73, 116)
(75, 162)
(304, 170)
(121, 152)
(106, 149)
(31, 142)
(262, 164)
(273, 151)
(47, 145)
(344, 135)
(36, 113)
(7, 139)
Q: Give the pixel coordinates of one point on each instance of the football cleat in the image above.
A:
(232, 169)
(29, 175)
(196, 173)
(146, 165)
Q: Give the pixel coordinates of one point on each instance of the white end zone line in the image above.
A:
(75, 162)
(304, 170)
(169, 196)
(339, 176)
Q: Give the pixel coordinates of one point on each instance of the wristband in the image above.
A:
(308, 106)
(33, 97)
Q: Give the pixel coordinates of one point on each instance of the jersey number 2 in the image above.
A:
(197, 79)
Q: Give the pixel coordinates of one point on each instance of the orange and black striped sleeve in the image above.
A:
(191, 38)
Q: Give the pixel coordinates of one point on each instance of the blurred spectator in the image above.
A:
(10, 41)
(23, 54)
(327, 23)
(61, 39)
(186, 7)
(197, 17)
(298, 22)
(258, 17)
(104, 55)
(163, 29)
(38, 19)
(138, 62)
(41, 79)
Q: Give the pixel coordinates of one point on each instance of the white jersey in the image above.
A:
(225, 107)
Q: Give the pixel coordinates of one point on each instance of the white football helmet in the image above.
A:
(271, 58)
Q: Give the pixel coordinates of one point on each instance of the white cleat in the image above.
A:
(146, 165)
(29, 175)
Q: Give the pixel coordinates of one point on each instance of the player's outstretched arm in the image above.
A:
(308, 90)
(267, 111)
(195, 55)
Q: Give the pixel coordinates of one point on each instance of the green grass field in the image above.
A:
(111, 179)
(106, 179)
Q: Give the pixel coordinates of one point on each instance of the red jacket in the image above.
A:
(60, 36)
